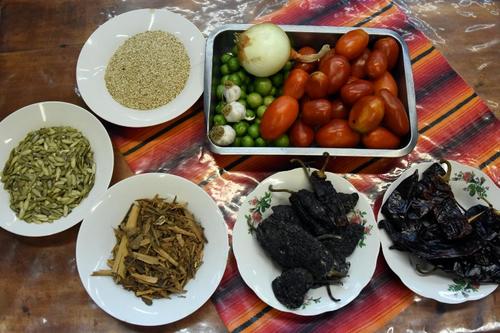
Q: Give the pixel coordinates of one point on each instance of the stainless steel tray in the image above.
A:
(221, 40)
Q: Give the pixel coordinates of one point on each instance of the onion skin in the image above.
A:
(263, 49)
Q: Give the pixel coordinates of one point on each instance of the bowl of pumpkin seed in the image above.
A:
(56, 160)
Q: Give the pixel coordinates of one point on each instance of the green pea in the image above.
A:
(285, 74)
(233, 64)
(257, 121)
(288, 66)
(224, 79)
(260, 111)
(259, 142)
(243, 102)
(247, 141)
(225, 57)
(250, 114)
(234, 50)
(243, 94)
(268, 100)
(282, 141)
(224, 69)
(253, 131)
(242, 75)
(237, 142)
(240, 128)
(277, 79)
(254, 100)
(263, 85)
(235, 78)
(220, 91)
(219, 119)
(273, 91)
(219, 107)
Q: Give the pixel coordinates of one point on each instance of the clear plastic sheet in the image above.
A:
(41, 288)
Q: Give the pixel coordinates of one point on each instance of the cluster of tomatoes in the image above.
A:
(346, 99)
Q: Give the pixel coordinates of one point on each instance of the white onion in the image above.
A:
(263, 49)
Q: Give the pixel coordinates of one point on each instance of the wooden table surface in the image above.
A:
(39, 46)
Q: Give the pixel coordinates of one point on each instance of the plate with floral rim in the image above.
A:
(468, 185)
(258, 270)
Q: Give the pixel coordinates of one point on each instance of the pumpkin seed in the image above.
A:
(49, 173)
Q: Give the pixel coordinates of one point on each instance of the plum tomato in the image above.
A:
(380, 138)
(278, 118)
(366, 114)
(317, 85)
(301, 135)
(386, 81)
(316, 112)
(376, 64)
(338, 69)
(339, 110)
(352, 44)
(395, 117)
(353, 91)
(307, 66)
(390, 47)
(337, 134)
(358, 65)
(327, 56)
(295, 83)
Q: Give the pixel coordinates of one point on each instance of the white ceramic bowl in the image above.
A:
(96, 240)
(257, 269)
(16, 126)
(440, 286)
(103, 43)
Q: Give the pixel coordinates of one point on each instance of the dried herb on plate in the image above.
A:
(159, 248)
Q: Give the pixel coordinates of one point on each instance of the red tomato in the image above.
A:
(352, 44)
(366, 114)
(386, 81)
(337, 134)
(301, 135)
(380, 138)
(278, 118)
(376, 64)
(390, 47)
(337, 68)
(395, 117)
(307, 66)
(327, 56)
(353, 91)
(358, 65)
(339, 110)
(317, 85)
(295, 83)
(316, 112)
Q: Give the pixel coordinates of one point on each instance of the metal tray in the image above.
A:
(221, 40)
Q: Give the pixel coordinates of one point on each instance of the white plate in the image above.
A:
(257, 269)
(440, 286)
(16, 126)
(103, 43)
(96, 240)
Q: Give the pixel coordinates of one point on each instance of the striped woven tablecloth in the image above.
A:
(453, 123)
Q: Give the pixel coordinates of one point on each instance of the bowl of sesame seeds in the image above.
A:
(142, 68)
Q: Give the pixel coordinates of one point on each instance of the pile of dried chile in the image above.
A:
(310, 239)
(422, 217)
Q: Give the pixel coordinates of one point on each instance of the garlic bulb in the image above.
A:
(222, 135)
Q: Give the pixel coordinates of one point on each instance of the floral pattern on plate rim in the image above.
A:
(359, 217)
(309, 301)
(258, 207)
(475, 184)
(462, 287)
